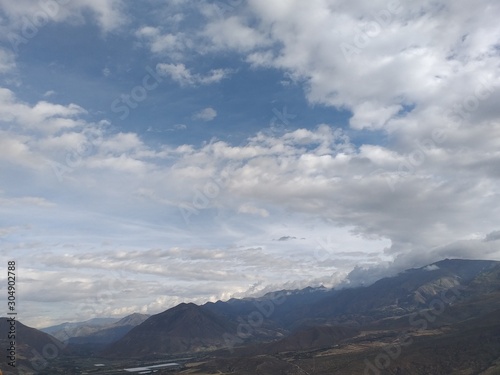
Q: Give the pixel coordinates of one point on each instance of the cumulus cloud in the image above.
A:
(398, 74)
(206, 114)
(233, 33)
(43, 116)
(411, 72)
(173, 44)
(405, 59)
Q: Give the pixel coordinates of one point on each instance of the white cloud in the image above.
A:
(431, 267)
(183, 76)
(206, 114)
(121, 143)
(177, 72)
(15, 151)
(108, 13)
(373, 115)
(43, 116)
(49, 93)
(171, 44)
(232, 33)
(401, 58)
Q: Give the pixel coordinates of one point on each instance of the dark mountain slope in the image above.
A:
(31, 346)
(184, 328)
(304, 339)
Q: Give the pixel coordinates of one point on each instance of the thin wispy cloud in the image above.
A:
(183, 76)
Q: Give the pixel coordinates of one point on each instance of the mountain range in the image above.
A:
(95, 331)
(443, 318)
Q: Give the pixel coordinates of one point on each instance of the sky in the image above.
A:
(157, 152)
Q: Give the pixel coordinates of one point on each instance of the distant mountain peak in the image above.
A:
(183, 328)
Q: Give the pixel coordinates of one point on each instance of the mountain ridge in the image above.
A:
(446, 303)
(357, 307)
